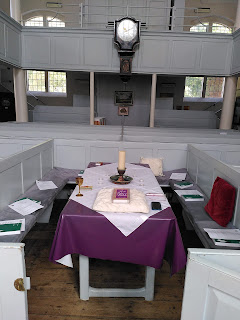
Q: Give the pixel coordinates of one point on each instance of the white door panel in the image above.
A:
(212, 285)
(13, 303)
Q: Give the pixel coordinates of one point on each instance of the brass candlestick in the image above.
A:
(121, 173)
(79, 181)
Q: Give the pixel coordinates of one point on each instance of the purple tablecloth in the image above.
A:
(87, 232)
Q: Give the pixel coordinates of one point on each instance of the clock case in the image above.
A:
(126, 46)
(126, 49)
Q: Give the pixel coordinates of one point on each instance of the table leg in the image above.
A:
(84, 277)
(149, 283)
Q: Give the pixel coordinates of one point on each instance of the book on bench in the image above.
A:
(10, 227)
(224, 238)
(190, 195)
(183, 184)
(121, 195)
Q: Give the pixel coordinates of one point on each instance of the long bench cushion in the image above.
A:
(60, 177)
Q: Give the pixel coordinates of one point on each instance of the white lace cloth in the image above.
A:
(143, 180)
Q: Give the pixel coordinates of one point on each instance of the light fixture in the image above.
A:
(54, 5)
(202, 10)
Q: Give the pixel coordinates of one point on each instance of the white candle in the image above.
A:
(121, 160)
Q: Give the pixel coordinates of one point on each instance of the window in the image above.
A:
(204, 87)
(211, 27)
(47, 21)
(46, 81)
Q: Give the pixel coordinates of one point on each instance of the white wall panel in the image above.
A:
(37, 50)
(13, 49)
(7, 178)
(97, 51)
(214, 56)
(173, 159)
(192, 166)
(46, 160)
(67, 50)
(72, 157)
(205, 176)
(185, 54)
(8, 149)
(2, 42)
(134, 154)
(154, 54)
(31, 171)
(104, 154)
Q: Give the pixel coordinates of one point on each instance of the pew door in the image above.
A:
(13, 282)
(212, 285)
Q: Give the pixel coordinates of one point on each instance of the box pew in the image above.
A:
(203, 169)
(18, 174)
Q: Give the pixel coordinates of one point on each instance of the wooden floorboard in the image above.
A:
(54, 293)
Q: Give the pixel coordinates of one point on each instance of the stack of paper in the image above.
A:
(25, 206)
(178, 176)
(45, 185)
(10, 227)
(183, 184)
(224, 237)
(190, 195)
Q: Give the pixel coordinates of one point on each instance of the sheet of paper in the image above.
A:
(178, 176)
(188, 192)
(45, 185)
(25, 206)
(221, 234)
(16, 227)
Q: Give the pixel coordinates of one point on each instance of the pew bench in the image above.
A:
(60, 177)
(194, 215)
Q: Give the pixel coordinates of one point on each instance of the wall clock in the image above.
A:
(126, 37)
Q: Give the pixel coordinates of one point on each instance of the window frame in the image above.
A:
(203, 98)
(46, 93)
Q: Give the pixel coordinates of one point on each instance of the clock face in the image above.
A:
(127, 30)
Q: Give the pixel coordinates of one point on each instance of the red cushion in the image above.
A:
(221, 204)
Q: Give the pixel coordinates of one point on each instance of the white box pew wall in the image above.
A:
(21, 170)
(10, 146)
(204, 169)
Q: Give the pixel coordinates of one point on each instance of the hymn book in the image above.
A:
(121, 195)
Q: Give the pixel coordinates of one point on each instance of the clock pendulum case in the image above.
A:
(126, 37)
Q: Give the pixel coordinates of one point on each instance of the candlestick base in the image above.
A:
(121, 173)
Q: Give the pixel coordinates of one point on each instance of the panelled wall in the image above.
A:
(10, 41)
(159, 52)
(178, 53)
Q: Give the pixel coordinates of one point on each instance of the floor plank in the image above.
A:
(54, 293)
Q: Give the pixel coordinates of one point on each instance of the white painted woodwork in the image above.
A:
(185, 119)
(21, 170)
(20, 95)
(87, 291)
(91, 98)
(13, 303)
(229, 99)
(153, 100)
(44, 113)
(212, 285)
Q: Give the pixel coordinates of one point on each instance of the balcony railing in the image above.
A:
(153, 17)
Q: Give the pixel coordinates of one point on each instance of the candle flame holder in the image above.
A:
(121, 173)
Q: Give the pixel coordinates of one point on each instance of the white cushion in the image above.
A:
(155, 164)
(137, 202)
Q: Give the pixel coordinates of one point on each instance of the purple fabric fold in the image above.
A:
(84, 231)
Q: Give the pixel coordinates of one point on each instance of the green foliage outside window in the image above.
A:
(193, 87)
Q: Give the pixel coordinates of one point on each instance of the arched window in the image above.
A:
(44, 21)
(211, 27)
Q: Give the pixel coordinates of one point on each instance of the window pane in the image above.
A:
(54, 22)
(220, 28)
(36, 80)
(193, 87)
(201, 27)
(57, 81)
(214, 87)
(34, 22)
